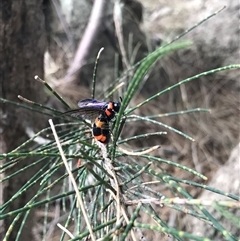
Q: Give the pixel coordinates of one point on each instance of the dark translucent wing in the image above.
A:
(83, 114)
(86, 114)
(88, 109)
(92, 104)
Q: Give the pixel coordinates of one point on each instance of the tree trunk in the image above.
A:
(22, 48)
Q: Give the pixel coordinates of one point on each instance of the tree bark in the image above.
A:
(22, 45)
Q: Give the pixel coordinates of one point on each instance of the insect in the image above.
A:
(105, 112)
(101, 130)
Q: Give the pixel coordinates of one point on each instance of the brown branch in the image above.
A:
(86, 41)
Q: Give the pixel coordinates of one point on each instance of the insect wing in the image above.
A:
(75, 113)
(92, 104)
(89, 109)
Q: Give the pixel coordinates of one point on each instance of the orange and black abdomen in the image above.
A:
(101, 129)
